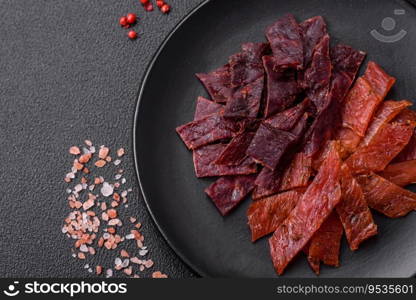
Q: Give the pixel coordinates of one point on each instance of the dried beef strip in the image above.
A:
(235, 152)
(298, 173)
(319, 200)
(386, 197)
(247, 66)
(313, 29)
(409, 152)
(205, 166)
(269, 145)
(218, 83)
(364, 98)
(353, 211)
(401, 174)
(379, 79)
(385, 145)
(346, 62)
(387, 111)
(245, 103)
(294, 171)
(267, 183)
(228, 192)
(282, 87)
(317, 77)
(286, 41)
(287, 119)
(206, 131)
(325, 244)
(265, 215)
(359, 107)
(205, 108)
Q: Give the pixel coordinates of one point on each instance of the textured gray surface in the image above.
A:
(68, 72)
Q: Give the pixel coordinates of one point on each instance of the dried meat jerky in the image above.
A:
(349, 141)
(353, 211)
(346, 62)
(282, 87)
(313, 29)
(317, 77)
(325, 244)
(401, 174)
(247, 66)
(218, 83)
(409, 152)
(235, 152)
(265, 215)
(359, 107)
(267, 183)
(298, 173)
(286, 40)
(387, 111)
(287, 119)
(364, 98)
(314, 207)
(379, 79)
(205, 108)
(292, 172)
(228, 192)
(385, 145)
(206, 131)
(269, 145)
(205, 166)
(300, 127)
(245, 103)
(386, 197)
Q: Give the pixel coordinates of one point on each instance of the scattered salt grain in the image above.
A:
(109, 273)
(117, 162)
(107, 190)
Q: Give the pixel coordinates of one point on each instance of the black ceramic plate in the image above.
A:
(220, 247)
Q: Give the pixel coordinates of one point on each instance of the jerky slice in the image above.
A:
(205, 131)
(228, 192)
(246, 101)
(353, 211)
(314, 29)
(291, 173)
(346, 62)
(318, 76)
(379, 79)
(205, 166)
(218, 83)
(387, 111)
(286, 41)
(269, 145)
(385, 145)
(247, 66)
(325, 244)
(359, 107)
(282, 87)
(386, 197)
(265, 215)
(364, 98)
(401, 174)
(298, 173)
(409, 152)
(205, 108)
(306, 218)
(287, 119)
(235, 152)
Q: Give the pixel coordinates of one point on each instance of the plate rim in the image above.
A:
(139, 96)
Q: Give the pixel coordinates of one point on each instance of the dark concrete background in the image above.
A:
(68, 72)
